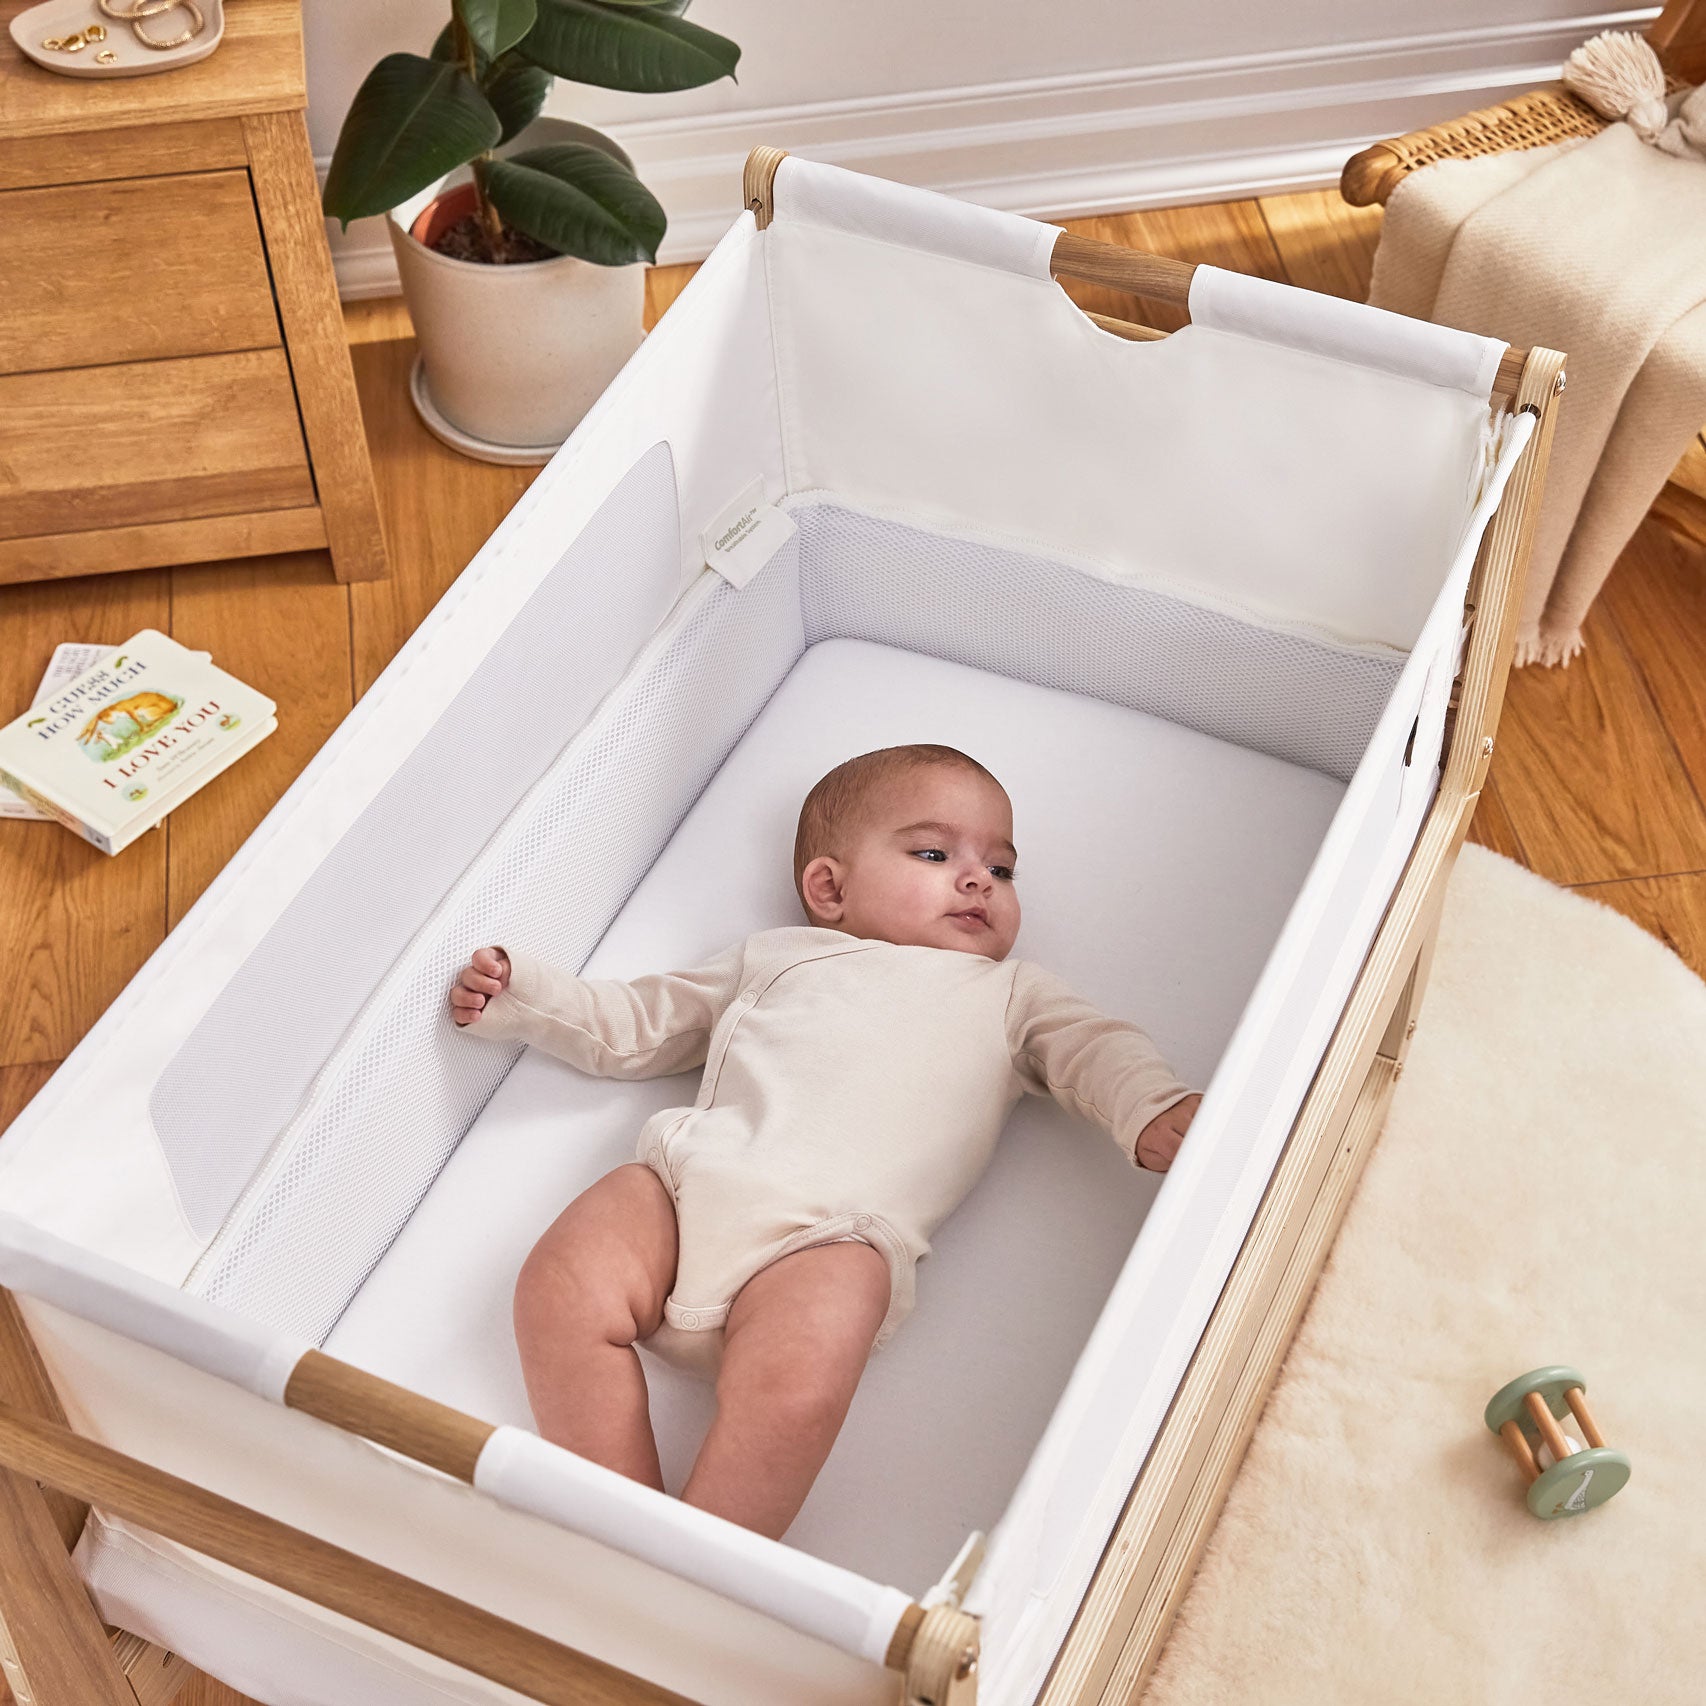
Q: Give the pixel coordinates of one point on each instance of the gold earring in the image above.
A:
(52, 43)
(95, 32)
(106, 56)
(74, 44)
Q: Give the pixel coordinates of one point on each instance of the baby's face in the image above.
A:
(930, 867)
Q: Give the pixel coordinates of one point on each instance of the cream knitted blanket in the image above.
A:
(1596, 248)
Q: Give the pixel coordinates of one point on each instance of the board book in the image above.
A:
(110, 753)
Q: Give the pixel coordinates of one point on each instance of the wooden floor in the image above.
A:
(1598, 781)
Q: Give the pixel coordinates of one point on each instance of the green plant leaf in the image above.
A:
(517, 91)
(412, 121)
(580, 201)
(445, 48)
(643, 48)
(495, 25)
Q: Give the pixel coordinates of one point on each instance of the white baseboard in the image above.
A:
(1091, 142)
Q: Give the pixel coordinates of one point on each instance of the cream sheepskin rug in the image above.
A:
(1538, 1196)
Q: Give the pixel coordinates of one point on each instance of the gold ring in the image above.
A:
(139, 9)
(174, 41)
(106, 56)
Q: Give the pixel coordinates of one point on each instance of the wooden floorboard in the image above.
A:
(1589, 773)
(1657, 600)
(282, 625)
(1671, 908)
(75, 926)
(1323, 243)
(1597, 781)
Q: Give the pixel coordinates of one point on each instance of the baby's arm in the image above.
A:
(657, 1024)
(1105, 1070)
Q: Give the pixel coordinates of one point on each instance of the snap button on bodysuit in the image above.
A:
(654, 1155)
(690, 1319)
(749, 998)
(861, 1223)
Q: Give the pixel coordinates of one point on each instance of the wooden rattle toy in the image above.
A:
(1564, 1477)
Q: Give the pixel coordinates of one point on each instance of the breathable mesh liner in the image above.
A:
(405, 1087)
(1281, 693)
(400, 1091)
(244, 1069)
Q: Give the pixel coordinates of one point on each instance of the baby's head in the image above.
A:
(914, 845)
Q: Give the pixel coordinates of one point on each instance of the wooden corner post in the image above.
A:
(758, 183)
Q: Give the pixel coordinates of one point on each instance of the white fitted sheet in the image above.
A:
(1157, 865)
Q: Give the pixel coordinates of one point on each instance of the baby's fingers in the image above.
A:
(471, 979)
(466, 1005)
(492, 962)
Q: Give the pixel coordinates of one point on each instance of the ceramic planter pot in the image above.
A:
(512, 356)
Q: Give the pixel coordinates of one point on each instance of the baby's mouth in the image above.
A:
(972, 915)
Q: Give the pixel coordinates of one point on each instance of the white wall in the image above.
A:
(1040, 106)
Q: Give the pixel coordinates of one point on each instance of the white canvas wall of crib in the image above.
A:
(1259, 529)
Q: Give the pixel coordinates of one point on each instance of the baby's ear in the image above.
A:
(820, 889)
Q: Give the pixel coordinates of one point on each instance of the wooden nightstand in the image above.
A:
(174, 381)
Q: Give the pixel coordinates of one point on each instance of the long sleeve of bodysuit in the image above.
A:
(1102, 1069)
(655, 1025)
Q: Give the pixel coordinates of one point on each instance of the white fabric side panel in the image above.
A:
(224, 1096)
(598, 1600)
(809, 194)
(836, 1606)
(1347, 331)
(703, 383)
(1031, 618)
(1046, 1548)
(1260, 480)
(396, 1095)
(270, 1647)
(37, 1264)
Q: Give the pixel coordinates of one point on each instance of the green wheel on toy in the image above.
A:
(1578, 1483)
(1525, 1414)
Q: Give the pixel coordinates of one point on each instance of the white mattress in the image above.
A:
(1156, 868)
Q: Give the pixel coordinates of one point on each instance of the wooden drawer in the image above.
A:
(150, 441)
(141, 151)
(92, 274)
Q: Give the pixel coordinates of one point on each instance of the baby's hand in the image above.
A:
(1159, 1141)
(488, 975)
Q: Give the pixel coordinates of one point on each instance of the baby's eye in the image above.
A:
(1001, 873)
(935, 853)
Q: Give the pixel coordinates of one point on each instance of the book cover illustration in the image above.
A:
(139, 731)
(70, 659)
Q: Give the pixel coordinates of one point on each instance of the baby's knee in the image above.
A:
(561, 1292)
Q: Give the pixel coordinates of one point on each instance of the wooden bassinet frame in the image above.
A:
(56, 1652)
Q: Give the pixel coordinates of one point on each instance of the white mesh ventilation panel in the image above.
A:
(1292, 695)
(403, 1088)
(244, 1069)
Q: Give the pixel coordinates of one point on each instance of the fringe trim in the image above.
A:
(1550, 649)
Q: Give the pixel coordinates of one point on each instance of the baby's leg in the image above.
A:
(594, 1284)
(794, 1346)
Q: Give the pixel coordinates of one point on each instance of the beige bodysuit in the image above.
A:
(852, 1089)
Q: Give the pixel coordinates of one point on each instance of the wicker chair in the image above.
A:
(1552, 114)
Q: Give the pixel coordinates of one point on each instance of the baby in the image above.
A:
(858, 1070)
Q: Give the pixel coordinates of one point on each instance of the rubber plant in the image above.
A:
(416, 118)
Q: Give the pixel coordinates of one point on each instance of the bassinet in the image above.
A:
(1223, 609)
